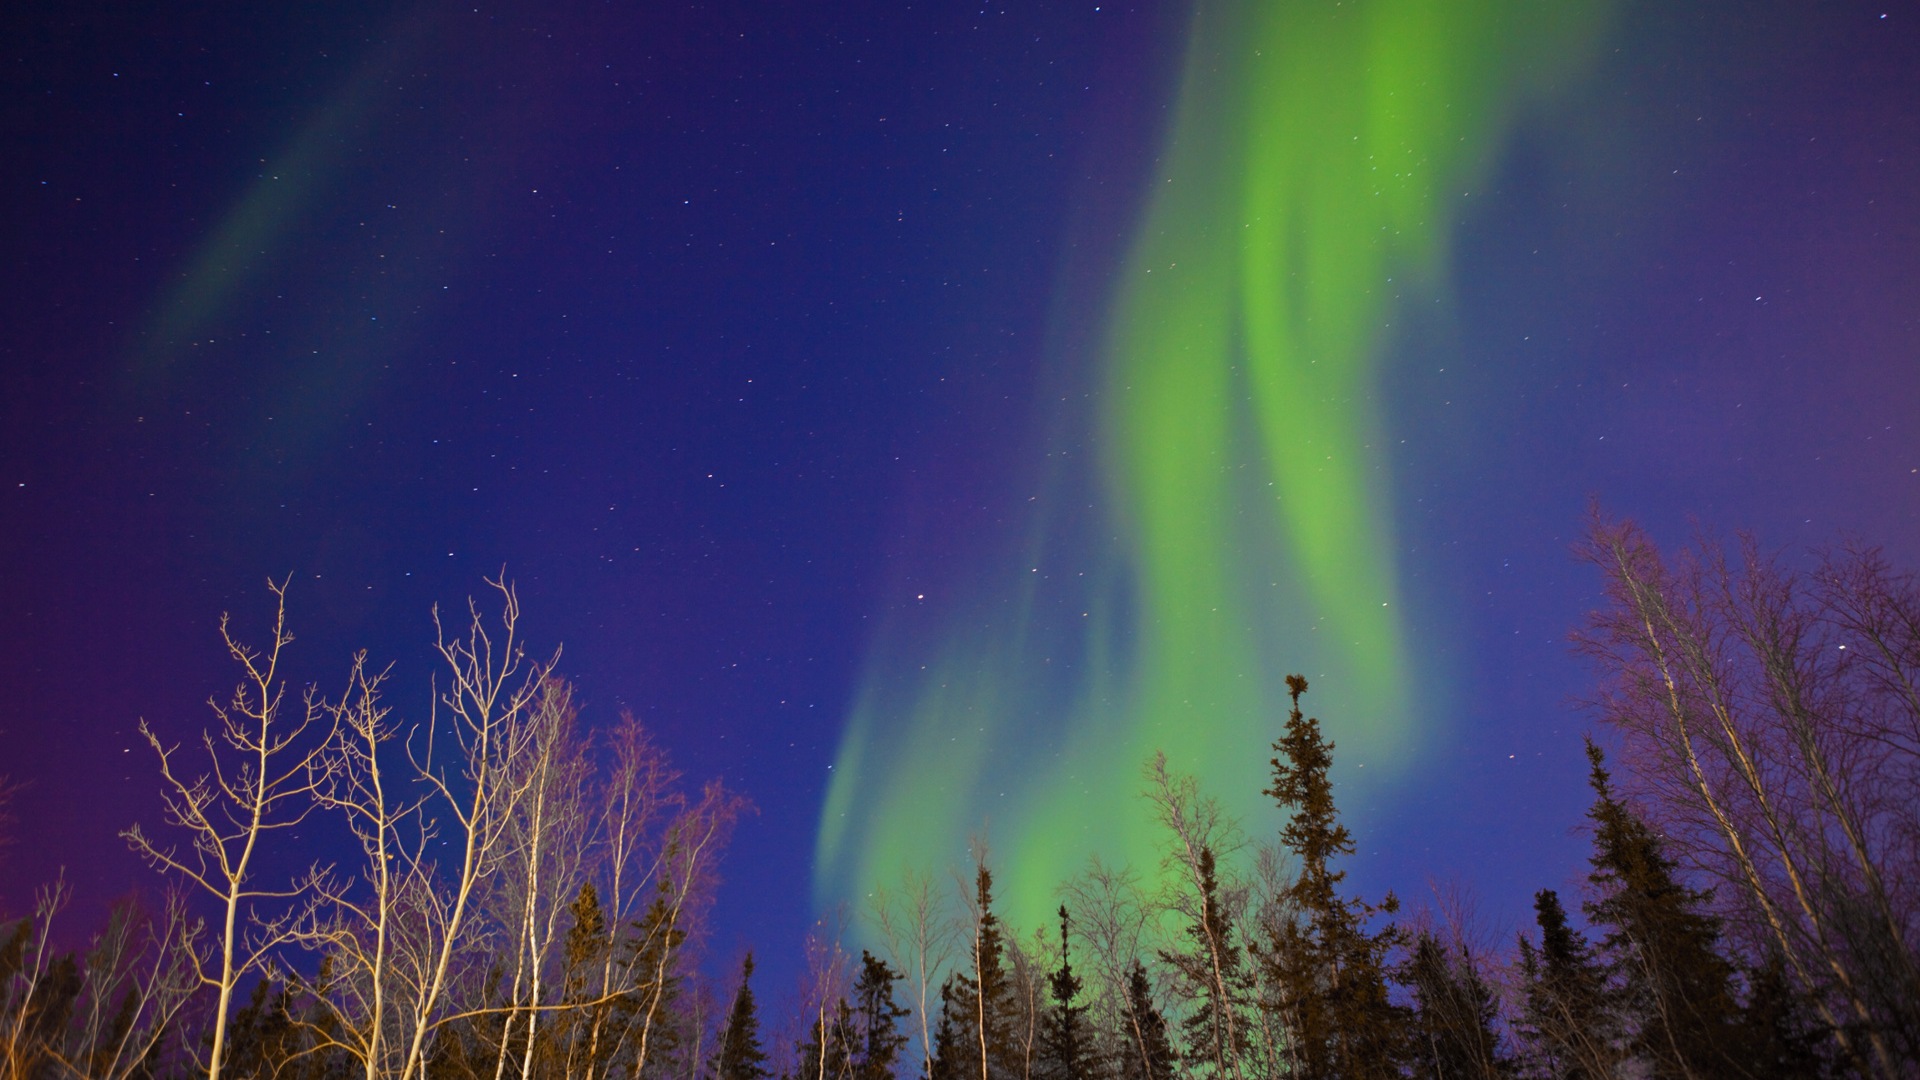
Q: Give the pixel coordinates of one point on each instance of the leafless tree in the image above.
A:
(261, 782)
(1198, 834)
(1116, 928)
(26, 959)
(825, 985)
(550, 831)
(685, 881)
(356, 925)
(1772, 723)
(1028, 965)
(489, 703)
(918, 930)
(106, 1017)
(639, 802)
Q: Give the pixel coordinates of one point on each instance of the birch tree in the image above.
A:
(260, 782)
(1772, 724)
(918, 930)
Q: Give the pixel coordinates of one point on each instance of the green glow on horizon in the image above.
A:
(1317, 159)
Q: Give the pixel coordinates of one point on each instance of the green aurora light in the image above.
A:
(1315, 164)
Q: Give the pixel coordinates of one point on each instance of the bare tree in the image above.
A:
(106, 1017)
(824, 990)
(550, 829)
(918, 930)
(138, 976)
(489, 701)
(1199, 835)
(355, 924)
(664, 934)
(261, 782)
(26, 962)
(1774, 731)
(1028, 966)
(1115, 924)
(640, 794)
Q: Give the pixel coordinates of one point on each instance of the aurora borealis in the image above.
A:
(1312, 171)
(919, 414)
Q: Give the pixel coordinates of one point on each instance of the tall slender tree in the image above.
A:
(1209, 972)
(1064, 1042)
(982, 1005)
(1147, 1052)
(880, 1042)
(1453, 1030)
(1569, 1024)
(1661, 943)
(1212, 971)
(828, 1052)
(1327, 966)
(739, 1056)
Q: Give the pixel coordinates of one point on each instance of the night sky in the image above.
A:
(782, 354)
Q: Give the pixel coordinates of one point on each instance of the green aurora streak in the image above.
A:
(1316, 161)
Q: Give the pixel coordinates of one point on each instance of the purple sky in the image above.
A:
(679, 312)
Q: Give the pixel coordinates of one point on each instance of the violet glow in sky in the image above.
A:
(735, 333)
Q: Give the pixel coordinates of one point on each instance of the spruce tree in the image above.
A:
(654, 1006)
(1328, 969)
(570, 1032)
(950, 1057)
(1569, 1024)
(1453, 1036)
(877, 1020)
(1064, 1044)
(1782, 1034)
(739, 1056)
(263, 1037)
(982, 1005)
(1662, 946)
(1148, 1053)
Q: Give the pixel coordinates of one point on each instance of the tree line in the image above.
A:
(530, 897)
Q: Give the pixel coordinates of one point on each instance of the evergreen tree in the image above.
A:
(653, 1006)
(1662, 946)
(983, 1008)
(1454, 1015)
(950, 1058)
(263, 1037)
(582, 958)
(586, 942)
(1328, 969)
(739, 1056)
(1148, 1053)
(1569, 1023)
(1783, 1037)
(1064, 1050)
(877, 1020)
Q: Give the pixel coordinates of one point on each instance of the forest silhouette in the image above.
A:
(529, 896)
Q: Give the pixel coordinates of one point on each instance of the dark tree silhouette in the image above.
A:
(1453, 1032)
(1064, 1038)
(1662, 946)
(1327, 967)
(877, 1020)
(982, 1008)
(1148, 1053)
(1569, 1021)
(739, 1056)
